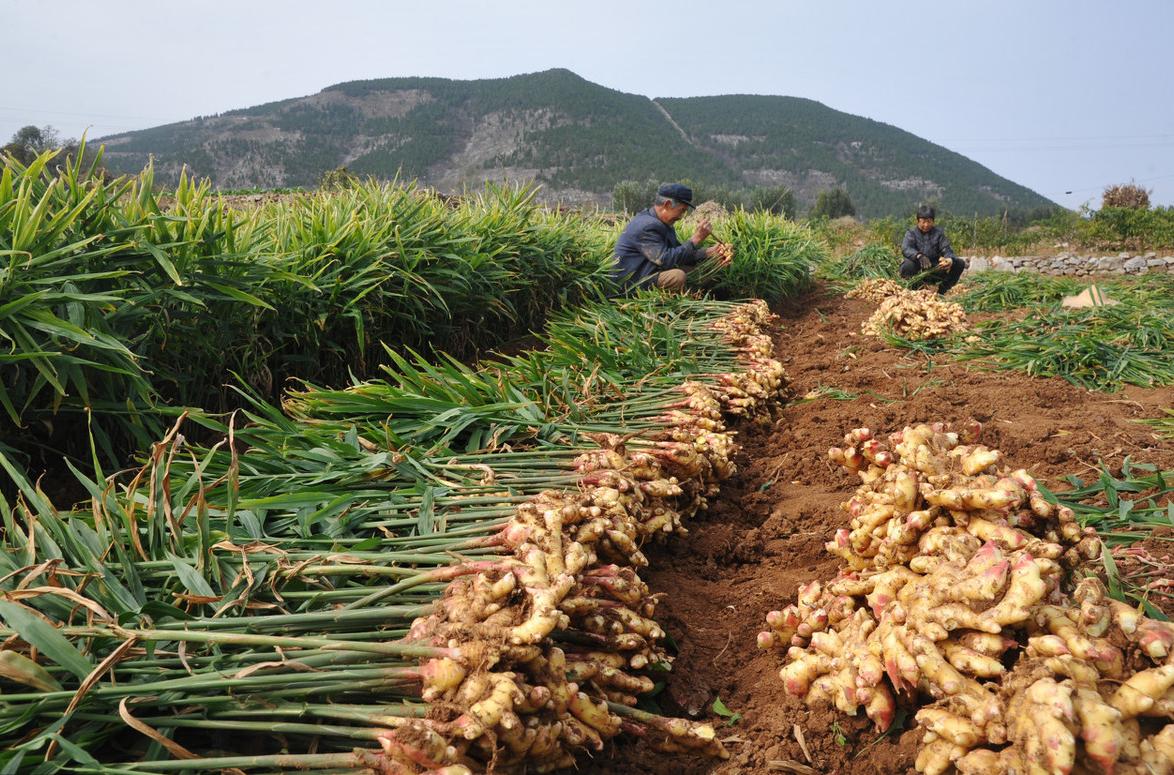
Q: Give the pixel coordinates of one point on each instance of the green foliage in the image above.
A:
(872, 260)
(29, 142)
(1096, 348)
(833, 204)
(1129, 228)
(1112, 228)
(996, 291)
(722, 710)
(778, 200)
(264, 587)
(1099, 348)
(1122, 507)
(774, 258)
(113, 304)
(1020, 232)
(1163, 426)
(632, 196)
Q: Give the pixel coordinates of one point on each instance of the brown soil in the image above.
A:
(764, 536)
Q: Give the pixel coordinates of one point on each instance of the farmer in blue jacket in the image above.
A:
(648, 252)
(928, 255)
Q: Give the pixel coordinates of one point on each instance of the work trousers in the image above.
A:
(670, 280)
(945, 278)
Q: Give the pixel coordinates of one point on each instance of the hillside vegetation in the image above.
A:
(576, 138)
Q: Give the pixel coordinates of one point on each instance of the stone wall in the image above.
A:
(1069, 264)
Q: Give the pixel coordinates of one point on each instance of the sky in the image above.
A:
(1064, 97)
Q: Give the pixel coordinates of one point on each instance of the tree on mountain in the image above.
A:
(773, 199)
(631, 196)
(833, 204)
(30, 141)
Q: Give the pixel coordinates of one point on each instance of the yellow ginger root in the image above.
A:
(983, 761)
(1043, 726)
(985, 643)
(1158, 752)
(503, 682)
(1106, 657)
(676, 734)
(957, 730)
(971, 662)
(937, 755)
(1142, 690)
(795, 624)
(1025, 590)
(976, 459)
(1100, 727)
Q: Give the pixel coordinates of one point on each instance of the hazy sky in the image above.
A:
(1057, 95)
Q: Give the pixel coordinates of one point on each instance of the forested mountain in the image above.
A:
(575, 137)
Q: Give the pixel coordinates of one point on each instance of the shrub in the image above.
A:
(772, 199)
(630, 196)
(1128, 195)
(338, 178)
(833, 204)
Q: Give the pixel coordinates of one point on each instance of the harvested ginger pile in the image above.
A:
(916, 315)
(876, 289)
(967, 596)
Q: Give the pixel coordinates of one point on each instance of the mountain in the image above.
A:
(575, 137)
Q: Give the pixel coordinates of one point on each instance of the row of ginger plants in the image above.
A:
(120, 300)
(437, 572)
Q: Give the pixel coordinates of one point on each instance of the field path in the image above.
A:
(669, 117)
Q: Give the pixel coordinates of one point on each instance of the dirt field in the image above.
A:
(765, 535)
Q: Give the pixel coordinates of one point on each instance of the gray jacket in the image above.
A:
(648, 246)
(933, 244)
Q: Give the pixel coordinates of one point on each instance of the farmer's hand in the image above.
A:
(923, 262)
(703, 231)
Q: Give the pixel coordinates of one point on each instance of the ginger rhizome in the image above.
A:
(966, 595)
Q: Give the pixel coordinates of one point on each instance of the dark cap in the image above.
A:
(677, 191)
(925, 211)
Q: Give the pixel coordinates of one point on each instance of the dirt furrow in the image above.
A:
(764, 536)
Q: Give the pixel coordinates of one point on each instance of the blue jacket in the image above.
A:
(649, 245)
(933, 244)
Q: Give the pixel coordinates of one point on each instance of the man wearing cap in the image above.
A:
(649, 254)
(928, 255)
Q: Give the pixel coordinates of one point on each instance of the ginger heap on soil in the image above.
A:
(966, 594)
(915, 315)
(508, 697)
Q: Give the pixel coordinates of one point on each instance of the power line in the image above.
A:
(13, 109)
(1026, 148)
(1094, 188)
(1054, 139)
